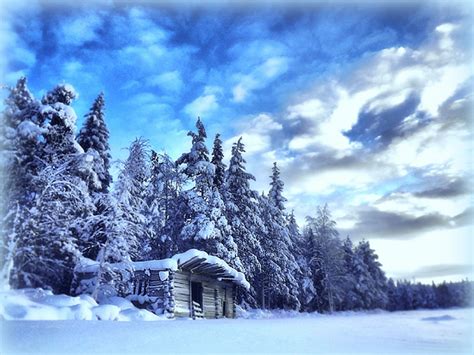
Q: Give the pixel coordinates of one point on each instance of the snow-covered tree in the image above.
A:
(115, 255)
(375, 296)
(130, 195)
(276, 282)
(278, 263)
(299, 250)
(163, 197)
(94, 139)
(50, 199)
(205, 225)
(59, 120)
(353, 270)
(20, 160)
(326, 263)
(244, 218)
(196, 161)
(46, 256)
(276, 191)
(217, 160)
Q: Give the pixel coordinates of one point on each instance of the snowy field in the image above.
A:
(429, 332)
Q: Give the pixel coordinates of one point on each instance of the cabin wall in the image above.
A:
(182, 294)
(169, 292)
(153, 290)
(214, 293)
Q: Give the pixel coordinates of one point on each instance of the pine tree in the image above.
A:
(52, 200)
(275, 195)
(130, 194)
(352, 299)
(20, 153)
(94, 139)
(277, 280)
(118, 249)
(243, 214)
(278, 260)
(197, 165)
(326, 263)
(217, 160)
(206, 226)
(376, 296)
(59, 120)
(163, 198)
(302, 274)
(60, 214)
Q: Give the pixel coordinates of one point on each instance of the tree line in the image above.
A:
(61, 206)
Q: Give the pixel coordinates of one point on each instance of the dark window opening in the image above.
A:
(196, 292)
(224, 303)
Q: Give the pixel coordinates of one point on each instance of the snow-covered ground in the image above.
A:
(429, 332)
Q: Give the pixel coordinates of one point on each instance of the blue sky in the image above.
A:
(364, 107)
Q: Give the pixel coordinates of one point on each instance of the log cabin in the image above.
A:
(191, 284)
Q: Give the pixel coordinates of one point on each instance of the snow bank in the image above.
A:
(173, 264)
(39, 304)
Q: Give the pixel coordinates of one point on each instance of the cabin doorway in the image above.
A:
(224, 303)
(196, 298)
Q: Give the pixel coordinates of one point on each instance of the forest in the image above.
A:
(61, 205)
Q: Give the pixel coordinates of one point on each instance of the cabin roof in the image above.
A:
(193, 260)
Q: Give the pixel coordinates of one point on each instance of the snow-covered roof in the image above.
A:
(193, 260)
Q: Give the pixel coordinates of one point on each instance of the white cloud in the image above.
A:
(147, 55)
(437, 148)
(256, 134)
(79, 30)
(202, 106)
(259, 78)
(441, 85)
(407, 203)
(312, 109)
(331, 119)
(167, 81)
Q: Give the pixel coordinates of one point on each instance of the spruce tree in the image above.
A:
(244, 217)
(60, 215)
(276, 191)
(326, 261)
(130, 195)
(59, 120)
(118, 248)
(196, 162)
(54, 203)
(217, 160)
(21, 155)
(352, 298)
(207, 227)
(94, 139)
(376, 296)
(278, 260)
(163, 198)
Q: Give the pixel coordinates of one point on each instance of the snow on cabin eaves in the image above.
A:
(173, 264)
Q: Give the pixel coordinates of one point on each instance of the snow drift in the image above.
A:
(39, 304)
